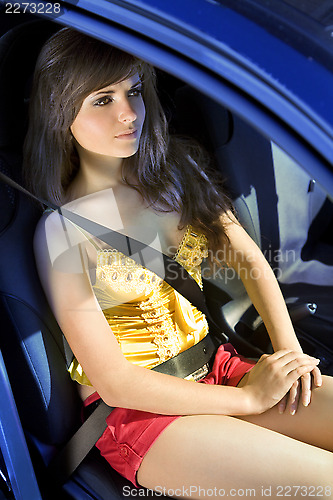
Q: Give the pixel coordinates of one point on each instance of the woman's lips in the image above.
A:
(128, 135)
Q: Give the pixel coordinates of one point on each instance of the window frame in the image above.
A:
(216, 69)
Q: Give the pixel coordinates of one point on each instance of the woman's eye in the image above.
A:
(103, 101)
(136, 92)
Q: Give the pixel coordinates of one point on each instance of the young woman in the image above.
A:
(98, 145)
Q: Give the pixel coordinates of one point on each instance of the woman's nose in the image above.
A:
(127, 113)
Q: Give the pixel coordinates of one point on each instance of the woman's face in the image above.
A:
(110, 120)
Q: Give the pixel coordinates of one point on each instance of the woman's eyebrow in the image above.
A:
(103, 92)
(139, 82)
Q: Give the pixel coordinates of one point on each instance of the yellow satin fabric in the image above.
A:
(151, 321)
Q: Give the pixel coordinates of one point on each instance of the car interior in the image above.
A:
(280, 205)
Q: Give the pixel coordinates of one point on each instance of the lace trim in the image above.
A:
(192, 250)
(124, 274)
(159, 323)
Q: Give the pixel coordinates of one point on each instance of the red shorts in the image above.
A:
(130, 433)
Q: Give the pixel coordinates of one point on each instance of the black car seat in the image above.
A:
(286, 213)
(31, 342)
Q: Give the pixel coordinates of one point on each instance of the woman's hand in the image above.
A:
(275, 375)
(300, 390)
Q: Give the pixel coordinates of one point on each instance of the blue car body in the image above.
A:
(272, 67)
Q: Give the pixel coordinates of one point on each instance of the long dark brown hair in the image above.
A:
(171, 174)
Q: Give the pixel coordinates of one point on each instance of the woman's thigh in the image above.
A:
(197, 455)
(312, 424)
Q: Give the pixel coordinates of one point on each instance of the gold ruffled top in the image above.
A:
(151, 321)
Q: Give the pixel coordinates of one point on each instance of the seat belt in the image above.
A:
(144, 255)
(76, 449)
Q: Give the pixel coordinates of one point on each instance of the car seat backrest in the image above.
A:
(270, 191)
(19, 50)
(30, 339)
(236, 147)
(239, 152)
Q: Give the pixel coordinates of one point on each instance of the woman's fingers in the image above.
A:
(317, 378)
(297, 363)
(293, 398)
(284, 356)
(306, 382)
(306, 389)
(283, 404)
(300, 390)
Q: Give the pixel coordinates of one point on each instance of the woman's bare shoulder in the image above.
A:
(57, 232)
(58, 243)
(53, 228)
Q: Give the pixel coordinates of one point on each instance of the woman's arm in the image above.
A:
(243, 255)
(62, 265)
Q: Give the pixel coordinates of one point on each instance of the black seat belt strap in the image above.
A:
(171, 272)
(77, 448)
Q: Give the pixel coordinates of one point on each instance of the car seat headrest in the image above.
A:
(7, 199)
(19, 49)
(195, 114)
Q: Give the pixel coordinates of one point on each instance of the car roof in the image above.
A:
(306, 25)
